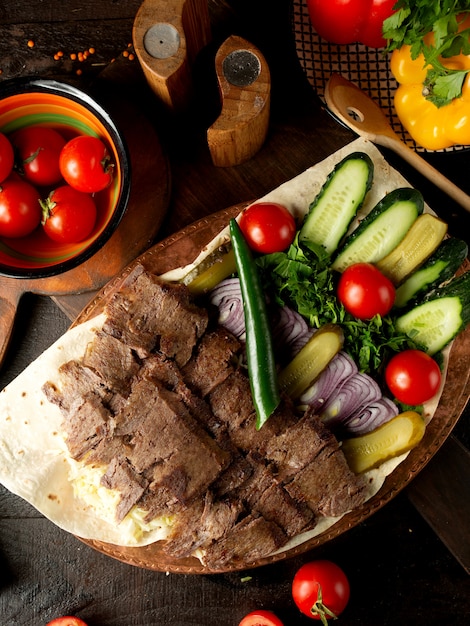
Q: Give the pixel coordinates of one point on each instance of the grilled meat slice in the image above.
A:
(120, 475)
(148, 314)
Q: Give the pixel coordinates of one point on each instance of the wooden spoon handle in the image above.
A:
(427, 170)
(8, 307)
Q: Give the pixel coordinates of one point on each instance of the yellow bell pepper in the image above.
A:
(432, 127)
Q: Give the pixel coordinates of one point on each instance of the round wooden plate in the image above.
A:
(181, 249)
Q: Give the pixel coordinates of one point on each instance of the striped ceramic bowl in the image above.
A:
(72, 112)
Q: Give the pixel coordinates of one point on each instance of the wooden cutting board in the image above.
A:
(148, 203)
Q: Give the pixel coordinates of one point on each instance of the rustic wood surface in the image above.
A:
(400, 571)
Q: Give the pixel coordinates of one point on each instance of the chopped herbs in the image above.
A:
(412, 20)
(302, 278)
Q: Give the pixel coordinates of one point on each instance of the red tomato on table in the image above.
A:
(413, 377)
(85, 164)
(7, 157)
(268, 227)
(261, 618)
(38, 148)
(67, 621)
(20, 211)
(365, 292)
(69, 215)
(321, 590)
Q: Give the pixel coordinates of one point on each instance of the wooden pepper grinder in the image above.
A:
(245, 86)
(167, 36)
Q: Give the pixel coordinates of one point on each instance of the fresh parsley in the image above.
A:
(302, 278)
(412, 20)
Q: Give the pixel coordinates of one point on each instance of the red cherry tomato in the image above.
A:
(261, 618)
(20, 211)
(68, 215)
(85, 164)
(365, 292)
(321, 590)
(413, 377)
(7, 157)
(66, 621)
(349, 21)
(268, 227)
(39, 148)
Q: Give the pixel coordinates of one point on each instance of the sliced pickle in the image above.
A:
(223, 267)
(401, 434)
(422, 239)
(311, 360)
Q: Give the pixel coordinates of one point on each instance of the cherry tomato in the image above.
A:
(85, 164)
(268, 227)
(39, 148)
(365, 292)
(20, 211)
(68, 215)
(7, 157)
(321, 590)
(67, 620)
(261, 618)
(348, 21)
(413, 377)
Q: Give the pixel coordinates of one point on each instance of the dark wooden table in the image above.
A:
(400, 571)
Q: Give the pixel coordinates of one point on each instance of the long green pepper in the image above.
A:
(259, 345)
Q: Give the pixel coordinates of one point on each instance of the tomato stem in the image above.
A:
(321, 610)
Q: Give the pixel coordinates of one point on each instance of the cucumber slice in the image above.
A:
(434, 323)
(338, 201)
(440, 267)
(382, 229)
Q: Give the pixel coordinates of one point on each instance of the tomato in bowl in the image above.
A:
(28, 104)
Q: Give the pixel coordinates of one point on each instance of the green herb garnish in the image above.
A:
(302, 278)
(411, 21)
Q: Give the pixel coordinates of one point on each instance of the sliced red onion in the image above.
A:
(227, 297)
(358, 391)
(337, 372)
(371, 417)
(290, 330)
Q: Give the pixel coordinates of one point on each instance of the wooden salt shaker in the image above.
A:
(245, 86)
(167, 36)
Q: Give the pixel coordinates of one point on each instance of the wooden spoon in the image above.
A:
(360, 113)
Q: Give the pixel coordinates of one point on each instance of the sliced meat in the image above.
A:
(263, 493)
(87, 423)
(201, 525)
(276, 505)
(106, 450)
(76, 381)
(121, 476)
(212, 362)
(327, 485)
(236, 475)
(159, 368)
(162, 429)
(231, 400)
(252, 538)
(113, 361)
(161, 402)
(298, 445)
(148, 314)
(248, 438)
